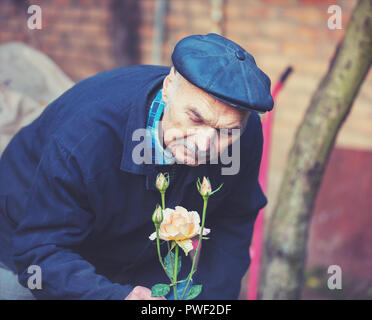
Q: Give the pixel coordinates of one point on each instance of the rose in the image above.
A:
(180, 226)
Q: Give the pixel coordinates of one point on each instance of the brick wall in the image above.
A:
(75, 34)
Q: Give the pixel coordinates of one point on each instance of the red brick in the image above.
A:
(177, 6)
(299, 49)
(148, 4)
(87, 2)
(146, 31)
(241, 28)
(10, 36)
(280, 2)
(307, 15)
(304, 33)
(63, 2)
(319, 2)
(145, 46)
(70, 13)
(277, 30)
(233, 12)
(259, 44)
(91, 28)
(177, 21)
(200, 25)
(197, 8)
(7, 10)
(97, 15)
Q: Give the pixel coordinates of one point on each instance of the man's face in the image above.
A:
(196, 126)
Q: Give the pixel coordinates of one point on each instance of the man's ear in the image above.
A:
(168, 82)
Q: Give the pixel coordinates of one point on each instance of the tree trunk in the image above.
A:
(287, 230)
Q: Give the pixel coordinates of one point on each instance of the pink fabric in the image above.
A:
(256, 246)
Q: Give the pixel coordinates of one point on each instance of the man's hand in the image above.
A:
(141, 293)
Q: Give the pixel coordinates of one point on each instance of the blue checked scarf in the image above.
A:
(161, 156)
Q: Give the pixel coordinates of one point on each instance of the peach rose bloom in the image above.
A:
(180, 225)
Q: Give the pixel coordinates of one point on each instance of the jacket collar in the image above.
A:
(136, 119)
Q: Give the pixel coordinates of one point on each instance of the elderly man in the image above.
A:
(76, 201)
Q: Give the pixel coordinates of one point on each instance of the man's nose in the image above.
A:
(204, 139)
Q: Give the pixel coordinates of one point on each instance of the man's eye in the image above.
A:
(195, 119)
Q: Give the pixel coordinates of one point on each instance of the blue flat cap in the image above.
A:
(225, 70)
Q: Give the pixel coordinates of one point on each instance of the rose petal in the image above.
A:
(152, 236)
(195, 217)
(180, 220)
(187, 229)
(167, 215)
(180, 237)
(206, 231)
(186, 245)
(181, 209)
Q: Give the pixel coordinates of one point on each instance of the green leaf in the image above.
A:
(171, 258)
(173, 245)
(160, 290)
(193, 292)
(217, 188)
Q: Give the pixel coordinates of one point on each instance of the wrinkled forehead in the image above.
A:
(207, 104)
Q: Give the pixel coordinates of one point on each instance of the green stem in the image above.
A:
(175, 273)
(163, 200)
(169, 250)
(159, 254)
(189, 277)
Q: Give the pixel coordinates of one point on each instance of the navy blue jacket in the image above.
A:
(73, 202)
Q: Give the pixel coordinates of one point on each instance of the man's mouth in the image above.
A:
(189, 152)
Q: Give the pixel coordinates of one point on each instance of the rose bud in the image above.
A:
(205, 188)
(157, 216)
(162, 182)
